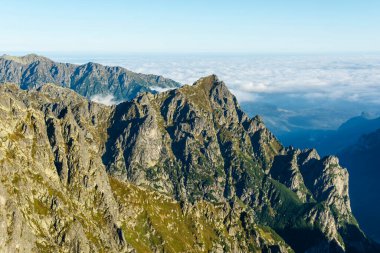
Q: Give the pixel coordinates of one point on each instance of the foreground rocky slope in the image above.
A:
(180, 171)
(90, 79)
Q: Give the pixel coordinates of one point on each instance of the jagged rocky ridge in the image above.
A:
(32, 71)
(184, 170)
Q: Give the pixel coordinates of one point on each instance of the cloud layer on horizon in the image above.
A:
(252, 77)
(351, 78)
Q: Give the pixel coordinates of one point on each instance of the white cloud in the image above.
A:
(245, 96)
(106, 99)
(160, 89)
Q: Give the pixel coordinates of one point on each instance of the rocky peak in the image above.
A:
(217, 92)
(208, 82)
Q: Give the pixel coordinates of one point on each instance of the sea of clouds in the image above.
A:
(348, 77)
(346, 84)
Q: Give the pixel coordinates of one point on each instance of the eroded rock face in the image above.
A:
(53, 174)
(177, 171)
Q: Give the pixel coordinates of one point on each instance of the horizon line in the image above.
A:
(184, 53)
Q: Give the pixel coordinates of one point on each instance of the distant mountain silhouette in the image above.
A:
(32, 71)
(332, 141)
(363, 163)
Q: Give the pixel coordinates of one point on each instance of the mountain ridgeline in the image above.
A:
(184, 170)
(332, 141)
(32, 71)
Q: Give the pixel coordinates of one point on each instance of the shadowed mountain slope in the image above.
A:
(362, 159)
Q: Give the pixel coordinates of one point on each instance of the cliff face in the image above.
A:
(183, 170)
(32, 71)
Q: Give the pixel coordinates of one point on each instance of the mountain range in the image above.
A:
(184, 170)
(91, 79)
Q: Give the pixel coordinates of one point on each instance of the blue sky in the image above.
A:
(175, 26)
